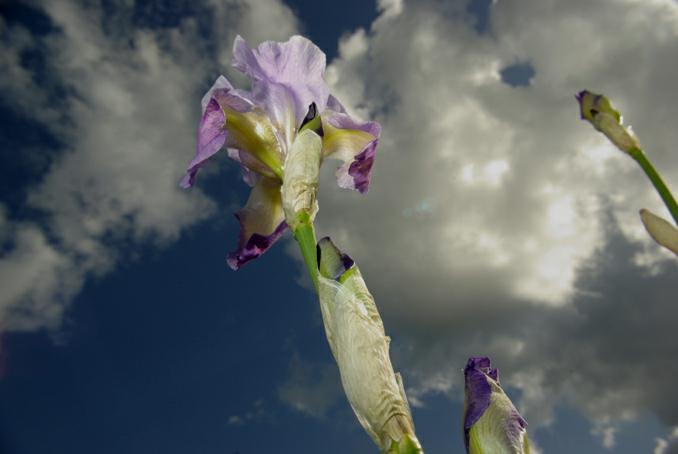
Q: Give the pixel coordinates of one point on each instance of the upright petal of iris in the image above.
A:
(286, 79)
(491, 422)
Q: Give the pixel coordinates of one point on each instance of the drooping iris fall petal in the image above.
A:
(353, 142)
(262, 222)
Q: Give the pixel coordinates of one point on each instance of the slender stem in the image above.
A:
(305, 236)
(657, 181)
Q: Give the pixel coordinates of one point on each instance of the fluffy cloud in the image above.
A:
(498, 222)
(311, 388)
(667, 445)
(121, 94)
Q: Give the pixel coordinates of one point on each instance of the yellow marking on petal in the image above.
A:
(253, 133)
(344, 144)
(263, 211)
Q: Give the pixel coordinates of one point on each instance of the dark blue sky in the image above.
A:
(162, 353)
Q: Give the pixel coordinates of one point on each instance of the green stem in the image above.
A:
(657, 181)
(305, 236)
(406, 446)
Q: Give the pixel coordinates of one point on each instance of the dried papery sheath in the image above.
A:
(356, 336)
(660, 230)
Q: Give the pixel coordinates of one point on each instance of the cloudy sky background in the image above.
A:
(497, 224)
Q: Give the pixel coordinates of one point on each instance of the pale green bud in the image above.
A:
(660, 230)
(356, 336)
(598, 110)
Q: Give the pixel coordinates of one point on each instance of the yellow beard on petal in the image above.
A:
(253, 133)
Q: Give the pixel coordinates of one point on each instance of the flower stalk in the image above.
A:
(306, 239)
(598, 110)
(639, 156)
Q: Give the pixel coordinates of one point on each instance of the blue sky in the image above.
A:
(497, 224)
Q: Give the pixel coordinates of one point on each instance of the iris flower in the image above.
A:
(259, 129)
(491, 422)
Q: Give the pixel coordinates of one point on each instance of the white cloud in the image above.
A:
(255, 414)
(498, 222)
(311, 388)
(127, 119)
(34, 264)
(668, 445)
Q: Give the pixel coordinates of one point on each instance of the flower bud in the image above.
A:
(356, 336)
(491, 422)
(598, 110)
(660, 230)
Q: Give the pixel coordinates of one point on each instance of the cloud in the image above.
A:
(255, 414)
(311, 388)
(498, 222)
(121, 95)
(668, 445)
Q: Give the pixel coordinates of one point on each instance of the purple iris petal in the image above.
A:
(580, 99)
(361, 167)
(284, 76)
(262, 222)
(211, 138)
(212, 132)
(253, 246)
(477, 372)
(357, 169)
(478, 390)
(249, 176)
(334, 105)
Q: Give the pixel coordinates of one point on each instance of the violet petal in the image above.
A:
(353, 142)
(286, 77)
(212, 133)
(262, 222)
(211, 138)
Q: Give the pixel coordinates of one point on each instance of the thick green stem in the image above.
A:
(305, 236)
(657, 181)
